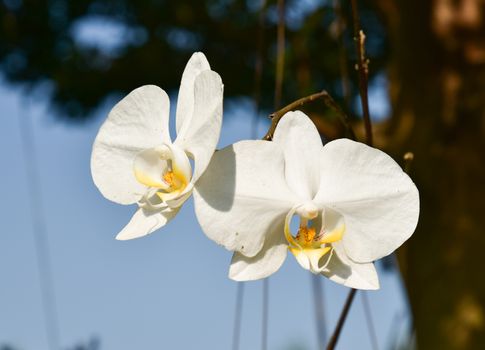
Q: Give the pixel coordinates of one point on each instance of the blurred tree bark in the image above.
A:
(437, 86)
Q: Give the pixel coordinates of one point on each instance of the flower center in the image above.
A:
(166, 172)
(174, 181)
(307, 246)
(305, 235)
(168, 177)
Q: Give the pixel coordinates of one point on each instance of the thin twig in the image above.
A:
(343, 316)
(408, 160)
(363, 69)
(280, 65)
(370, 322)
(264, 328)
(344, 72)
(238, 316)
(39, 228)
(319, 310)
(258, 68)
(280, 54)
(327, 99)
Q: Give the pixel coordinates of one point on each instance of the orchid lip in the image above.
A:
(166, 171)
(307, 246)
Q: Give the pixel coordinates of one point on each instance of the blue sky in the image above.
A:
(166, 291)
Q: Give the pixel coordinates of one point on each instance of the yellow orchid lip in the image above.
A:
(308, 247)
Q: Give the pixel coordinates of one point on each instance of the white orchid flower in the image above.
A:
(134, 159)
(354, 202)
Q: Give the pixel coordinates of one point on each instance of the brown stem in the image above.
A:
(327, 99)
(344, 72)
(280, 56)
(408, 159)
(258, 69)
(343, 316)
(363, 69)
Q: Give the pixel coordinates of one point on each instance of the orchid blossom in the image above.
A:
(134, 159)
(354, 203)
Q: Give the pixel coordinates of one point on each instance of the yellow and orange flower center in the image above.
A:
(305, 235)
(308, 247)
(168, 177)
(166, 172)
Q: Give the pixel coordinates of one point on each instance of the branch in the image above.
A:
(344, 72)
(327, 99)
(343, 316)
(408, 159)
(258, 68)
(363, 69)
(280, 55)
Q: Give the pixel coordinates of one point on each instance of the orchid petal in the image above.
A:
(145, 222)
(342, 270)
(241, 194)
(301, 144)
(379, 202)
(185, 101)
(200, 132)
(138, 122)
(265, 263)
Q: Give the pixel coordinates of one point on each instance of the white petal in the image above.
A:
(265, 263)
(379, 202)
(185, 102)
(242, 194)
(145, 222)
(200, 133)
(301, 144)
(137, 122)
(342, 270)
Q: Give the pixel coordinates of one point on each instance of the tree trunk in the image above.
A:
(437, 87)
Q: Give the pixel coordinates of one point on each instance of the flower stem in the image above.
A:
(344, 72)
(264, 328)
(280, 55)
(238, 316)
(327, 99)
(343, 316)
(39, 229)
(258, 68)
(370, 322)
(319, 311)
(363, 69)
